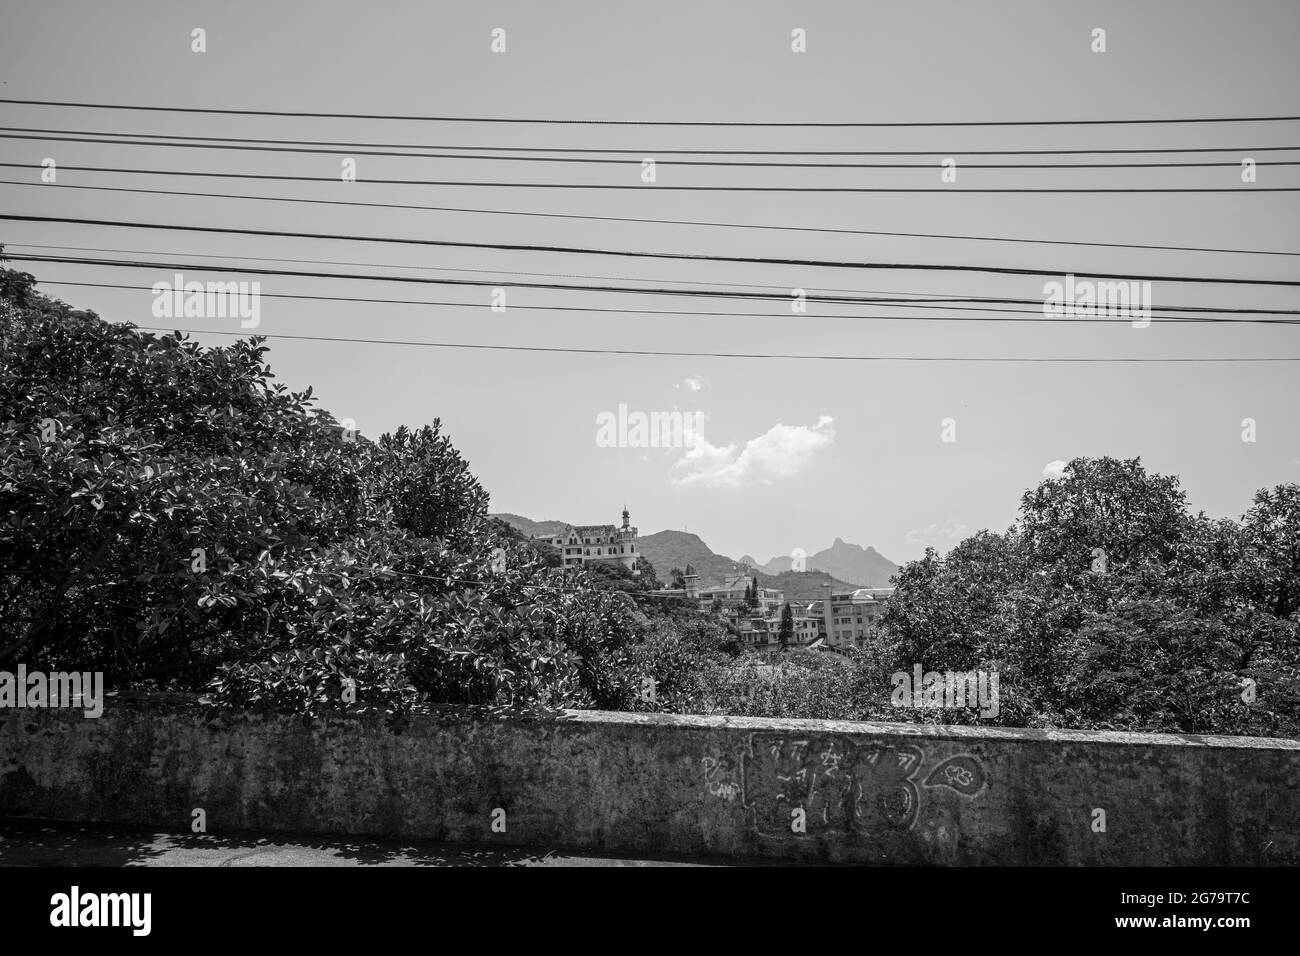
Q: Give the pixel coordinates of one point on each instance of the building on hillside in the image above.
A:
(878, 594)
(587, 543)
(690, 590)
(763, 634)
(807, 624)
(850, 620)
(732, 592)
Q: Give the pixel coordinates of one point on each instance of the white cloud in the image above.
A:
(693, 382)
(778, 453)
(1055, 469)
(935, 532)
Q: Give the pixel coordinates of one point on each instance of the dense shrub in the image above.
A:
(1109, 605)
(176, 519)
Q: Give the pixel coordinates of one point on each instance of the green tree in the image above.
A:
(646, 574)
(427, 484)
(177, 520)
(787, 627)
(1107, 604)
(1269, 563)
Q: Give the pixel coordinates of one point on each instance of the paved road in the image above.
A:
(26, 843)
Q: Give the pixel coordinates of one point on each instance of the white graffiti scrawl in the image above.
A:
(838, 783)
(721, 778)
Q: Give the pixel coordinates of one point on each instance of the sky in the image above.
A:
(792, 452)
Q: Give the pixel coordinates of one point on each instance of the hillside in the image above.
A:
(530, 528)
(675, 549)
(805, 586)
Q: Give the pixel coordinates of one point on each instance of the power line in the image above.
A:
(742, 151)
(915, 124)
(1036, 315)
(784, 292)
(761, 164)
(739, 355)
(546, 215)
(629, 290)
(931, 303)
(659, 187)
(695, 257)
(918, 299)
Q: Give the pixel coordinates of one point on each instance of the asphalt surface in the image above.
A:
(32, 843)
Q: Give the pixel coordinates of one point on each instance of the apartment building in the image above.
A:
(850, 620)
(763, 634)
(732, 593)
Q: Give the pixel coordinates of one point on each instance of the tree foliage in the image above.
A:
(1109, 605)
(175, 518)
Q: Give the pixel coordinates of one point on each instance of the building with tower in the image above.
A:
(586, 543)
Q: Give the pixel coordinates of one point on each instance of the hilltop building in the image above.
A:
(586, 543)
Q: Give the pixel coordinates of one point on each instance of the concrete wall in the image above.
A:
(874, 793)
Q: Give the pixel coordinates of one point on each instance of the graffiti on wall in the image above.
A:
(722, 777)
(839, 784)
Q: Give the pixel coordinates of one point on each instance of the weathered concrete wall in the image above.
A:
(879, 793)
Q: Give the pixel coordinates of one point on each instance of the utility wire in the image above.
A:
(644, 122)
(546, 215)
(740, 355)
(494, 283)
(695, 257)
(742, 151)
(659, 187)
(782, 293)
(629, 290)
(1035, 315)
(761, 164)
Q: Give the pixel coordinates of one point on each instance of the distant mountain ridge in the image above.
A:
(865, 567)
(843, 566)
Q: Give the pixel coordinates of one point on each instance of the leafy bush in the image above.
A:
(177, 520)
(1109, 606)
